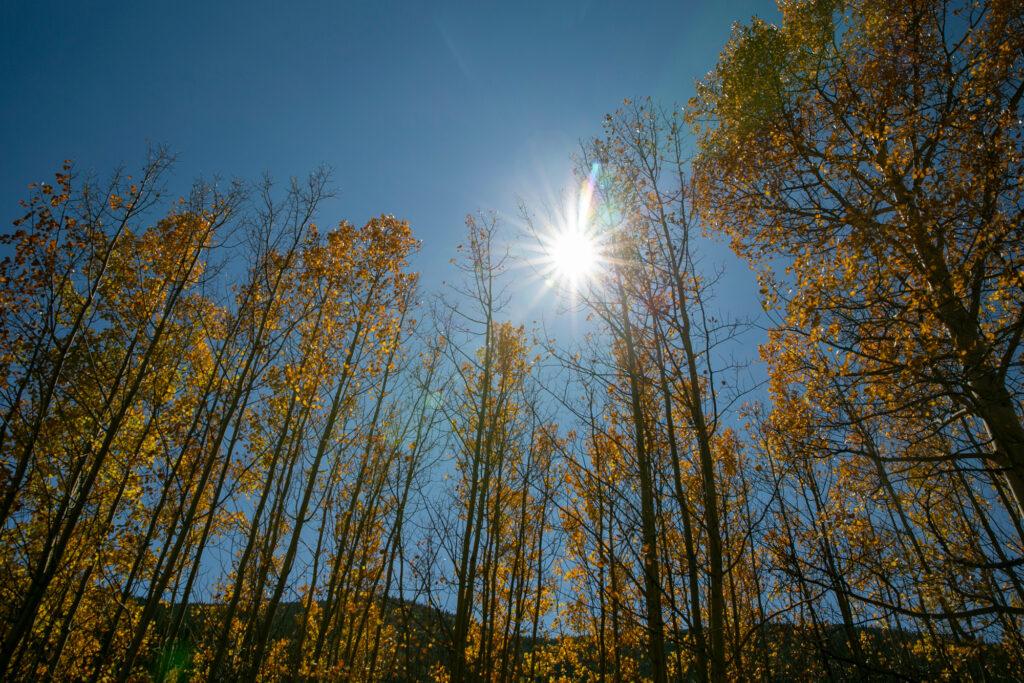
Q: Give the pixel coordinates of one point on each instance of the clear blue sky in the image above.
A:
(426, 110)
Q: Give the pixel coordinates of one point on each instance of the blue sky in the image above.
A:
(426, 110)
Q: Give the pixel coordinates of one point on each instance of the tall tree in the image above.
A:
(877, 148)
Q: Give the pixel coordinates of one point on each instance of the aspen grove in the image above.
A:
(240, 441)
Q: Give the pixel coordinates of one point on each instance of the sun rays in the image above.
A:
(569, 252)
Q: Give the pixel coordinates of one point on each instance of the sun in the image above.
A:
(574, 254)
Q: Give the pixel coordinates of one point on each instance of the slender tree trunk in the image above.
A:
(652, 579)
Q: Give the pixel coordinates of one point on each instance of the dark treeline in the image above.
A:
(239, 446)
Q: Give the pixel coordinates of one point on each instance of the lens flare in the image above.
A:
(572, 249)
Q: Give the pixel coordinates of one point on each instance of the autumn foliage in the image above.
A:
(239, 445)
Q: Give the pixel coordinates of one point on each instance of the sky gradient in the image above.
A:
(424, 110)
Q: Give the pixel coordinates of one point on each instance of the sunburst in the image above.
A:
(572, 253)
